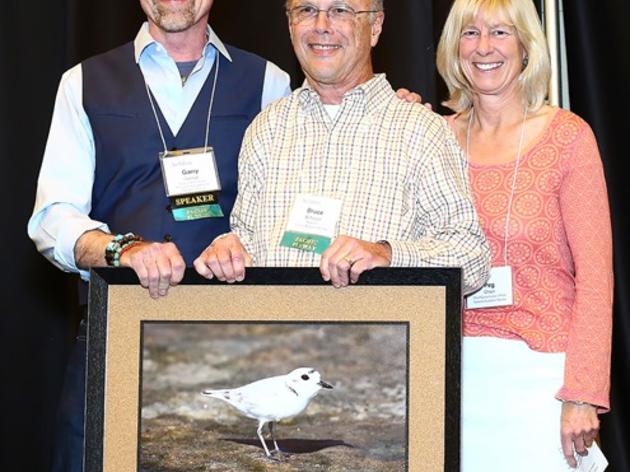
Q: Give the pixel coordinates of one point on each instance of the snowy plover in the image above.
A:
(273, 399)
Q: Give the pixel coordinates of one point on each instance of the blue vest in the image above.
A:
(128, 192)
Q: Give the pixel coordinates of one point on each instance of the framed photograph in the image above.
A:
(279, 372)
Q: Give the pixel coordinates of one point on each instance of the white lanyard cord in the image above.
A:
(157, 120)
(513, 190)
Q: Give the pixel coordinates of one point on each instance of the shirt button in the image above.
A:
(168, 238)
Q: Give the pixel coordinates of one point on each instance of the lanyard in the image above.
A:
(516, 165)
(157, 120)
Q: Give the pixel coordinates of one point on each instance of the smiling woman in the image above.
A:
(508, 23)
(537, 337)
(491, 55)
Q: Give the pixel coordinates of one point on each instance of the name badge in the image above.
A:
(496, 292)
(191, 181)
(312, 223)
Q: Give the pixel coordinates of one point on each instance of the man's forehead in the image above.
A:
(356, 4)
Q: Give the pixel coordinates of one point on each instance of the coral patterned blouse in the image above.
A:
(560, 250)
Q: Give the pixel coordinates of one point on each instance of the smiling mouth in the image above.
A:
(324, 47)
(487, 66)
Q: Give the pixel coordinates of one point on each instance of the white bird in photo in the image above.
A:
(274, 398)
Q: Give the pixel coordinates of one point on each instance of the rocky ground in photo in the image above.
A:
(359, 426)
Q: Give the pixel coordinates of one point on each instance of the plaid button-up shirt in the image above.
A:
(396, 167)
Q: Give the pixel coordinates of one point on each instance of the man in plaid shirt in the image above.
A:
(342, 174)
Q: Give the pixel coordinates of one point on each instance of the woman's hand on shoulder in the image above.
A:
(411, 97)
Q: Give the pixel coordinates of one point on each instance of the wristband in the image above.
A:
(118, 245)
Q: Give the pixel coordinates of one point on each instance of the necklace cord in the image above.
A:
(516, 166)
(157, 120)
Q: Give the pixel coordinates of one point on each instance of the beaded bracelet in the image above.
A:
(118, 245)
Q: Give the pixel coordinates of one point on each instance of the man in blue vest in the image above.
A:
(118, 118)
(175, 87)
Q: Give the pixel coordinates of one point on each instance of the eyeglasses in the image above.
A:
(337, 13)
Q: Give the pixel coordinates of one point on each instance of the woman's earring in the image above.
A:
(525, 61)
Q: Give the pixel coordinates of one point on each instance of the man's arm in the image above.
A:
(158, 265)
(60, 225)
(64, 191)
(228, 255)
(452, 235)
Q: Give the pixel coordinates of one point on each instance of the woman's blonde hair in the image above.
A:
(534, 79)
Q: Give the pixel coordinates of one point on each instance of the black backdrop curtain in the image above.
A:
(39, 40)
(597, 41)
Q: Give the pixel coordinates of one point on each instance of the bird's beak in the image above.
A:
(324, 384)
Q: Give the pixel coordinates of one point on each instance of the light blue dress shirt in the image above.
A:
(64, 192)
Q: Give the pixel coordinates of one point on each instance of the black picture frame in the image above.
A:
(117, 290)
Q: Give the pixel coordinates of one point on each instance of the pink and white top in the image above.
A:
(560, 250)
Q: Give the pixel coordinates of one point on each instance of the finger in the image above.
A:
(226, 263)
(238, 263)
(358, 268)
(328, 269)
(567, 449)
(414, 98)
(213, 261)
(589, 438)
(134, 258)
(402, 93)
(165, 272)
(177, 263)
(588, 441)
(201, 266)
(338, 267)
(579, 445)
(343, 268)
(153, 274)
(324, 263)
(323, 268)
(178, 269)
(142, 273)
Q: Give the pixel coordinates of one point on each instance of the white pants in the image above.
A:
(510, 417)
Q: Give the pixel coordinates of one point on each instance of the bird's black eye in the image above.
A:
(305, 377)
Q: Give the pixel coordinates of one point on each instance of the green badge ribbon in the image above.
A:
(196, 207)
(305, 242)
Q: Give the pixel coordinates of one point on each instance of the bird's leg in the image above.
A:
(275, 444)
(262, 440)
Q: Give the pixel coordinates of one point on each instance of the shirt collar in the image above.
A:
(364, 98)
(144, 39)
